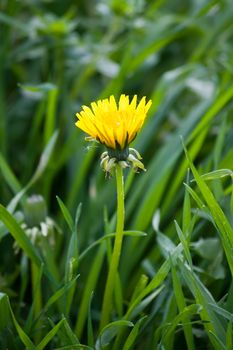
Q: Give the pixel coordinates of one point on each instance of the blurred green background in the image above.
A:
(56, 56)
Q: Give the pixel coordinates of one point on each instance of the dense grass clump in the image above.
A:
(173, 288)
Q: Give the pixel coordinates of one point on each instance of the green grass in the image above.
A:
(173, 288)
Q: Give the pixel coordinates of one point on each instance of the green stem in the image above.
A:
(37, 297)
(107, 302)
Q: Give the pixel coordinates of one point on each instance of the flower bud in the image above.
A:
(35, 210)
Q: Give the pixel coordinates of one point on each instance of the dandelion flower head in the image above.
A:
(114, 125)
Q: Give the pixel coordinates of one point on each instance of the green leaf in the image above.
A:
(66, 214)
(109, 332)
(217, 174)
(203, 297)
(45, 87)
(142, 282)
(43, 163)
(51, 114)
(184, 243)
(156, 281)
(60, 292)
(8, 175)
(131, 339)
(145, 302)
(217, 343)
(90, 332)
(186, 217)
(5, 304)
(65, 334)
(70, 334)
(207, 248)
(187, 312)
(108, 236)
(229, 341)
(19, 235)
(77, 215)
(220, 311)
(199, 202)
(181, 303)
(224, 227)
(165, 244)
(90, 286)
(4, 312)
(49, 336)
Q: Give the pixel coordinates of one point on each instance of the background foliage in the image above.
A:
(174, 287)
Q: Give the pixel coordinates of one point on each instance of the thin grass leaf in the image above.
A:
(131, 339)
(180, 173)
(49, 336)
(77, 215)
(66, 214)
(225, 95)
(70, 334)
(140, 286)
(225, 229)
(59, 293)
(218, 344)
(217, 174)
(152, 48)
(19, 235)
(203, 298)
(90, 332)
(9, 176)
(186, 216)
(187, 312)
(43, 162)
(219, 310)
(4, 18)
(109, 332)
(219, 145)
(156, 281)
(23, 336)
(165, 244)
(184, 243)
(145, 302)
(72, 261)
(232, 198)
(36, 304)
(229, 340)
(179, 295)
(79, 176)
(118, 296)
(51, 114)
(65, 333)
(197, 199)
(108, 236)
(90, 286)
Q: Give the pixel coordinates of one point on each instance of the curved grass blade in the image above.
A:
(220, 219)
(109, 236)
(43, 162)
(109, 332)
(23, 336)
(19, 235)
(50, 335)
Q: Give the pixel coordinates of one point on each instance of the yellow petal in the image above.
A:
(114, 124)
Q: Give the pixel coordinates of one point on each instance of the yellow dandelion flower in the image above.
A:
(115, 126)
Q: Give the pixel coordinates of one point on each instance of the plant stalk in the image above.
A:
(108, 293)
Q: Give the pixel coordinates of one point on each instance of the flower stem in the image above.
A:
(108, 293)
